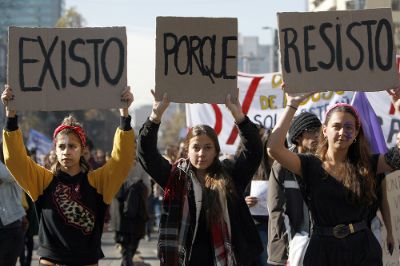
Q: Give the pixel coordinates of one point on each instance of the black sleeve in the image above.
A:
(277, 237)
(125, 123)
(149, 157)
(11, 123)
(248, 161)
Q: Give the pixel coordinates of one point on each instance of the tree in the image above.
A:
(170, 131)
(71, 19)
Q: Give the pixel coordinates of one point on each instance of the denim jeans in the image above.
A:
(262, 229)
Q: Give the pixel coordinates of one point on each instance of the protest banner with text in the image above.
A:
(262, 100)
(67, 68)
(196, 59)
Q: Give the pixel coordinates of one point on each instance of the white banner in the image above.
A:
(262, 100)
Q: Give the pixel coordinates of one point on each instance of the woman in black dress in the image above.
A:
(338, 184)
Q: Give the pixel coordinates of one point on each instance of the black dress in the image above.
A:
(330, 205)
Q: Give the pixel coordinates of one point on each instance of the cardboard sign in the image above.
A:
(393, 194)
(67, 68)
(196, 59)
(338, 50)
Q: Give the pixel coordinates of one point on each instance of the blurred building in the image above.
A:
(256, 58)
(326, 5)
(141, 113)
(29, 13)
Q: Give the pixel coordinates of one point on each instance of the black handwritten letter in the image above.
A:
(339, 62)
(290, 45)
(182, 39)
(389, 52)
(47, 66)
(121, 62)
(96, 43)
(195, 44)
(76, 58)
(23, 61)
(329, 44)
(169, 51)
(63, 64)
(357, 44)
(307, 48)
(369, 23)
(225, 56)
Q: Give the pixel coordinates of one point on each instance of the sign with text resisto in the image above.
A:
(338, 50)
(196, 59)
(53, 69)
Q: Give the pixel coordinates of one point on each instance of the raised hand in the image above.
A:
(6, 97)
(234, 106)
(294, 99)
(126, 97)
(159, 108)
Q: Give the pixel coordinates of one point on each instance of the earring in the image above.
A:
(355, 140)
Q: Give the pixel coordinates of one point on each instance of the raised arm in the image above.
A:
(30, 176)
(109, 178)
(149, 157)
(249, 159)
(276, 142)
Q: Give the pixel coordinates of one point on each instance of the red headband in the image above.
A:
(344, 105)
(77, 129)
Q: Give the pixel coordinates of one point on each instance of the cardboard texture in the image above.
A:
(196, 59)
(67, 68)
(338, 50)
(392, 181)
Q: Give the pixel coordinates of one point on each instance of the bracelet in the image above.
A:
(291, 106)
(155, 120)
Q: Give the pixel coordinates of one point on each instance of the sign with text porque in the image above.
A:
(196, 59)
(53, 69)
(338, 50)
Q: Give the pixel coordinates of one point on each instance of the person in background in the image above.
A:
(49, 159)
(182, 152)
(12, 214)
(205, 220)
(25, 258)
(338, 184)
(132, 213)
(171, 153)
(72, 199)
(288, 213)
(99, 158)
(262, 173)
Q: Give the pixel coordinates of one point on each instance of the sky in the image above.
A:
(139, 18)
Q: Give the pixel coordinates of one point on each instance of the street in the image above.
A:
(147, 252)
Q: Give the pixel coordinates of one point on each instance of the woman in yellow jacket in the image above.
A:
(72, 199)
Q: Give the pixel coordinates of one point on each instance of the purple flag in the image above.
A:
(370, 123)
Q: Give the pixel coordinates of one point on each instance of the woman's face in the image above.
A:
(69, 151)
(52, 156)
(201, 152)
(341, 130)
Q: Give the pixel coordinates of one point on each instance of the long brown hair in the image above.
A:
(70, 121)
(218, 184)
(359, 178)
